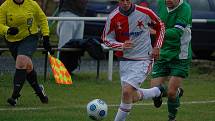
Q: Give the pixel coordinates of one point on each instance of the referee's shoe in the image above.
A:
(42, 95)
(13, 100)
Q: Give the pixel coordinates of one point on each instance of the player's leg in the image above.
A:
(140, 94)
(150, 93)
(133, 74)
(159, 82)
(160, 74)
(20, 72)
(131, 95)
(142, 69)
(39, 89)
(126, 102)
(19, 78)
(179, 71)
(30, 45)
(127, 75)
(173, 97)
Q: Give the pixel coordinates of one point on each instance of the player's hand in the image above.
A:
(46, 44)
(13, 31)
(127, 44)
(155, 53)
(152, 31)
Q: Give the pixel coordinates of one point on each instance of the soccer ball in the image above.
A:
(97, 109)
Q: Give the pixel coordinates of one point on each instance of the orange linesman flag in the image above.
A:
(60, 73)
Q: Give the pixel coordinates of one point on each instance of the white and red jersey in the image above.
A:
(134, 27)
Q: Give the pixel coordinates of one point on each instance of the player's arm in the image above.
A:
(181, 23)
(158, 29)
(109, 35)
(43, 24)
(3, 26)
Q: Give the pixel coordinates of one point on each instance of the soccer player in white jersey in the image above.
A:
(127, 27)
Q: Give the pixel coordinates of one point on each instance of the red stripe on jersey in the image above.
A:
(111, 29)
(121, 26)
(118, 24)
(159, 26)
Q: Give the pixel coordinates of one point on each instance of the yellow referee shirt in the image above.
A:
(28, 17)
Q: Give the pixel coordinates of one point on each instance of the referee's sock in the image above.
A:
(39, 89)
(18, 82)
(32, 80)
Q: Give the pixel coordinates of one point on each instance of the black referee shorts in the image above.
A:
(27, 46)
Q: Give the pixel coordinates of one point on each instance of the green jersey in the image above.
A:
(177, 41)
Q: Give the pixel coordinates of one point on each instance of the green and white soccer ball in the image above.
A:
(97, 109)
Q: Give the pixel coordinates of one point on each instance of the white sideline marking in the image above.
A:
(84, 106)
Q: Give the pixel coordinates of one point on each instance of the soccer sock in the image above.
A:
(32, 79)
(123, 111)
(18, 82)
(149, 93)
(173, 105)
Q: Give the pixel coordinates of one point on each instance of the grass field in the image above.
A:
(68, 103)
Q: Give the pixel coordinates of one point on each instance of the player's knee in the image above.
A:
(29, 68)
(127, 93)
(171, 94)
(23, 62)
(21, 65)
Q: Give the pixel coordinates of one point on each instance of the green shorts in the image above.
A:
(179, 68)
(27, 46)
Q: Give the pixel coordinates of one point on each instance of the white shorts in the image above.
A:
(134, 72)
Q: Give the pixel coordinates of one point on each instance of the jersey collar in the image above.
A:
(127, 13)
(19, 3)
(170, 10)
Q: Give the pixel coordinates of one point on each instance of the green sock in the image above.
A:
(173, 105)
(165, 91)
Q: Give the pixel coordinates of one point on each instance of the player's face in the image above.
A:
(172, 3)
(125, 4)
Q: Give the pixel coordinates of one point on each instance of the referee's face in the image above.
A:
(19, 1)
(125, 4)
(172, 3)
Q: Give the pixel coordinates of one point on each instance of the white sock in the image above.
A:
(149, 93)
(123, 111)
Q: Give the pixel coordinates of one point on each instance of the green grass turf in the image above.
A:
(68, 102)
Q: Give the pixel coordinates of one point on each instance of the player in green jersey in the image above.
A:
(175, 54)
